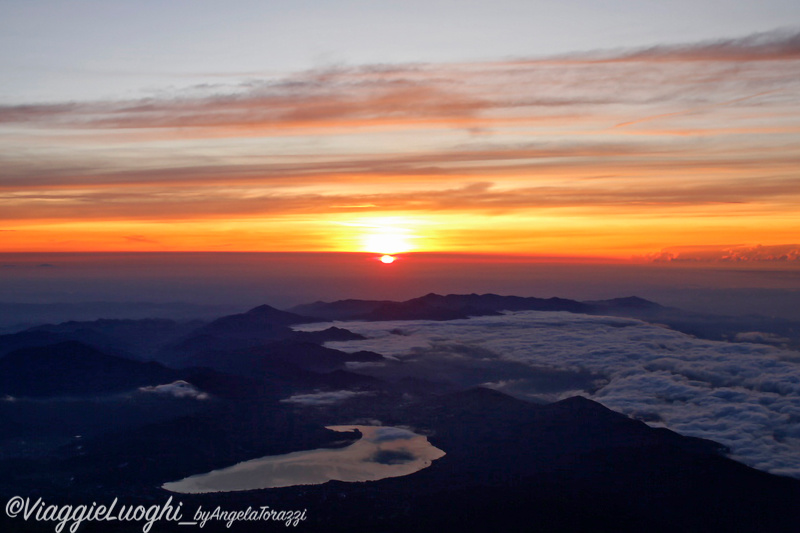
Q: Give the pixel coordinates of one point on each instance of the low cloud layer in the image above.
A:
(324, 398)
(178, 389)
(745, 396)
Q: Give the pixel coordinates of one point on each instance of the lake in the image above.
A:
(381, 452)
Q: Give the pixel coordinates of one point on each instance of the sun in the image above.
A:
(387, 259)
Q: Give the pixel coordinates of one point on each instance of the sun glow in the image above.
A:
(387, 237)
(387, 259)
(386, 243)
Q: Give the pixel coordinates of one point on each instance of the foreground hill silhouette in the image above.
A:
(75, 369)
(576, 466)
(510, 466)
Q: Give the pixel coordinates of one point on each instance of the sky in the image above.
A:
(647, 131)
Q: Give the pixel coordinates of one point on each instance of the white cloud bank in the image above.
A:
(745, 396)
(179, 389)
(324, 397)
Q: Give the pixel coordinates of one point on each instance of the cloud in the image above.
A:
(138, 238)
(761, 337)
(178, 389)
(35, 113)
(640, 133)
(415, 92)
(465, 95)
(388, 433)
(782, 253)
(324, 398)
(311, 99)
(765, 46)
(440, 195)
(745, 396)
(392, 457)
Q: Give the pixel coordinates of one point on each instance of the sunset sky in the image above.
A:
(622, 129)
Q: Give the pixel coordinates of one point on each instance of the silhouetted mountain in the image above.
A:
(342, 379)
(575, 465)
(326, 335)
(340, 309)
(779, 332)
(629, 302)
(253, 321)
(72, 368)
(563, 429)
(29, 339)
(230, 386)
(225, 434)
(286, 366)
(495, 303)
(256, 327)
(19, 316)
(277, 355)
(138, 339)
(453, 306)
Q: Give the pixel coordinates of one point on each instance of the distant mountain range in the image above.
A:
(453, 306)
(173, 342)
(751, 328)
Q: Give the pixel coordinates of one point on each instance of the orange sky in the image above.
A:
(664, 154)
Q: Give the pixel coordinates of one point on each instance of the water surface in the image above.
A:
(381, 452)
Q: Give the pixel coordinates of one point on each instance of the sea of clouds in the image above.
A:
(745, 396)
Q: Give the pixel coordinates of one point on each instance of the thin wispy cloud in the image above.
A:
(452, 93)
(729, 254)
(766, 46)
